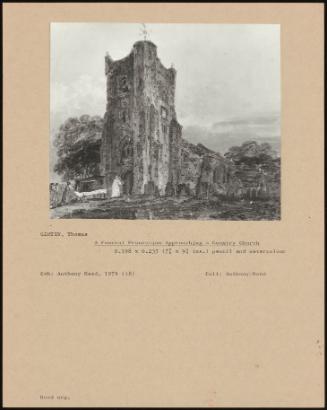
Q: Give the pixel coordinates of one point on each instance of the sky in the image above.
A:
(228, 75)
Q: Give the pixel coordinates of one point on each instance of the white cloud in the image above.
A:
(223, 70)
(85, 95)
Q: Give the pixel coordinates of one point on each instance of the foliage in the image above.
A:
(251, 153)
(78, 144)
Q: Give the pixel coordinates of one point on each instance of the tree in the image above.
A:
(251, 153)
(78, 144)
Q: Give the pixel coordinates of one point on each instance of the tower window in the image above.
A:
(124, 103)
(164, 113)
(123, 115)
(165, 96)
(123, 84)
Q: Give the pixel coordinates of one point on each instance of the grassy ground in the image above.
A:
(160, 208)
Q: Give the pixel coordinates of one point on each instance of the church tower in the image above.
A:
(141, 141)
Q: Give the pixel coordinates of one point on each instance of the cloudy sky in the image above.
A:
(228, 75)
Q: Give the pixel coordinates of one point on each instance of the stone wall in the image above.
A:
(206, 174)
(61, 193)
(203, 172)
(258, 181)
(117, 145)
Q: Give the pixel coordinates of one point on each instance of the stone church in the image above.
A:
(141, 141)
(142, 149)
(137, 148)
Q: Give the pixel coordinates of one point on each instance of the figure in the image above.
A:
(116, 187)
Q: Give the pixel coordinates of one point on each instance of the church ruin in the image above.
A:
(137, 149)
(143, 152)
(141, 141)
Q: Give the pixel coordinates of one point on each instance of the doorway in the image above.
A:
(128, 183)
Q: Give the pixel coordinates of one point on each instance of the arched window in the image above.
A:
(123, 83)
(165, 96)
(164, 112)
(126, 150)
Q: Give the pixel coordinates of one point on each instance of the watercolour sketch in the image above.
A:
(165, 121)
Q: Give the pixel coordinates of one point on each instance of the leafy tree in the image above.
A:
(78, 144)
(251, 153)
